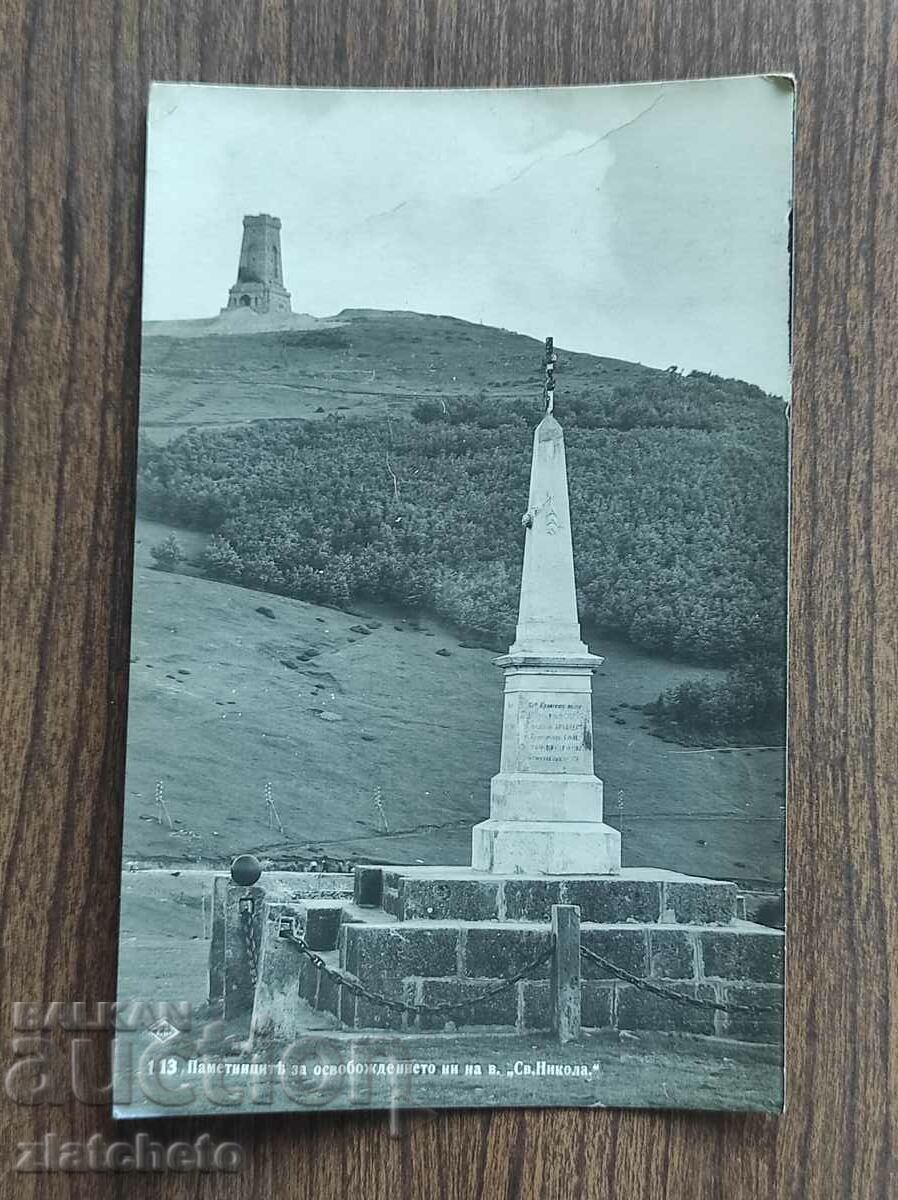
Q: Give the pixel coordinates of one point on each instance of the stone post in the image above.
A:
(275, 1015)
(565, 976)
(216, 945)
(242, 942)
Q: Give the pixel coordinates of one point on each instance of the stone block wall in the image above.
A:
(410, 897)
(435, 964)
(671, 931)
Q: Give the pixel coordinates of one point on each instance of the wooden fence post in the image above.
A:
(565, 977)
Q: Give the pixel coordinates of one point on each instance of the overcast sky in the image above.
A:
(647, 222)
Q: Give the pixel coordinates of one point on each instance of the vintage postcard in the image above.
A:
(456, 735)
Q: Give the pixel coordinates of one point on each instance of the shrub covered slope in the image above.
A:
(678, 498)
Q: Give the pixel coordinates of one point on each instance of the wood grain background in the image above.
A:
(74, 85)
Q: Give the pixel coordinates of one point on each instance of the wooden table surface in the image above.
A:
(74, 86)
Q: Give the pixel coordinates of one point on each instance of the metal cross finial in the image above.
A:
(551, 358)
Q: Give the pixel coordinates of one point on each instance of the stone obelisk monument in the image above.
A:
(546, 801)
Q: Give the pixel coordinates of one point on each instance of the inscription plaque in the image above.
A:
(555, 735)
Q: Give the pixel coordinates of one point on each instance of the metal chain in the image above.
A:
(669, 994)
(358, 989)
(249, 935)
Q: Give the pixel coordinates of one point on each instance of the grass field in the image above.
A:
(372, 362)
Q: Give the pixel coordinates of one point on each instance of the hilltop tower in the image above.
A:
(260, 276)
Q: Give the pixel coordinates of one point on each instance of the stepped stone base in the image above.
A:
(435, 935)
(438, 962)
(459, 893)
(556, 847)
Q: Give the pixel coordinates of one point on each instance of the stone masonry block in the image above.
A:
(322, 924)
(751, 1027)
(389, 900)
(596, 1005)
(537, 1004)
(614, 901)
(497, 953)
(707, 902)
(329, 995)
(743, 954)
(390, 953)
(341, 939)
(531, 899)
(626, 948)
(391, 986)
(671, 953)
(497, 1010)
(448, 899)
(358, 1013)
(308, 981)
(368, 886)
(637, 1009)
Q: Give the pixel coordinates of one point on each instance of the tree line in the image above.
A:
(678, 501)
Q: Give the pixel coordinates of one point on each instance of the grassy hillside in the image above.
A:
(361, 362)
(225, 697)
(677, 486)
(346, 499)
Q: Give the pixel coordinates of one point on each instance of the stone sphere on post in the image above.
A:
(246, 869)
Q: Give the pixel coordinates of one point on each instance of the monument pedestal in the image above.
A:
(437, 935)
(546, 848)
(546, 801)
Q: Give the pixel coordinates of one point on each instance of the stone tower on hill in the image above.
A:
(260, 276)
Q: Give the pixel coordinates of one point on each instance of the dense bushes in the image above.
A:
(168, 553)
(749, 703)
(677, 494)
